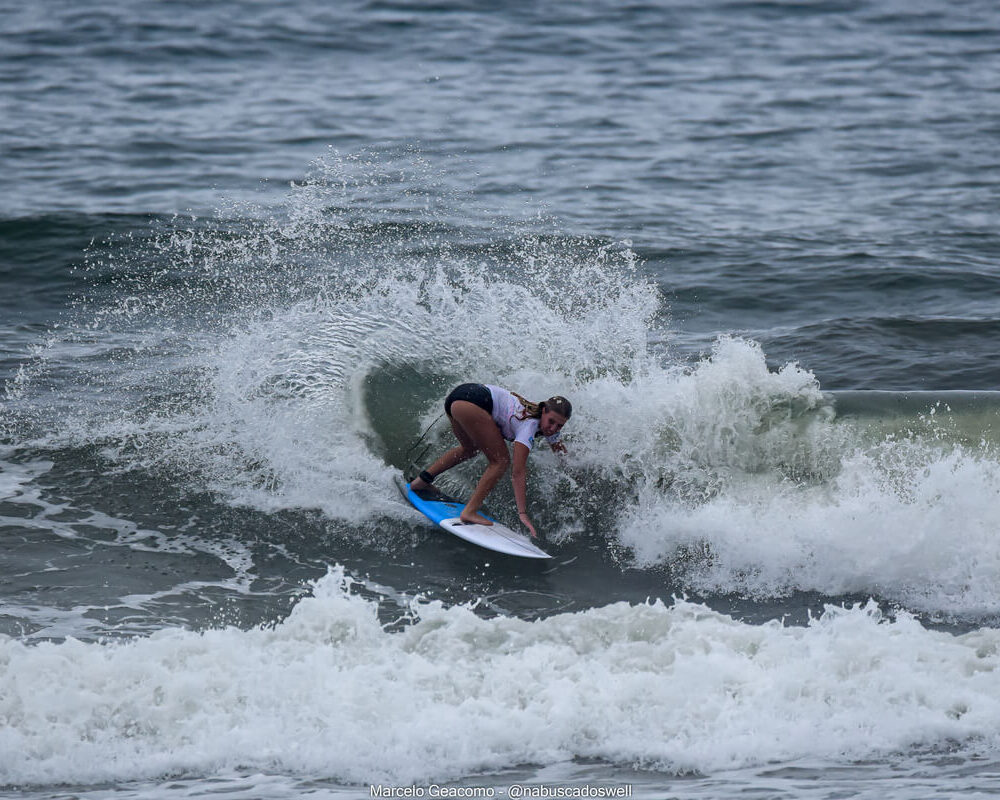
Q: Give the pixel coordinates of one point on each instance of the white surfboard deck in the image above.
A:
(494, 537)
(445, 511)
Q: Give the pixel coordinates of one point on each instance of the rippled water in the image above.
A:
(246, 249)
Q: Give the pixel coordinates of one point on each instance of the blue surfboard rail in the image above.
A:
(435, 505)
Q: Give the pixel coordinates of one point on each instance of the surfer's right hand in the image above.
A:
(527, 524)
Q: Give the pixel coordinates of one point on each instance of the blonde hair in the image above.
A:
(555, 403)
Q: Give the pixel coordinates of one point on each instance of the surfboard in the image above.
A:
(444, 511)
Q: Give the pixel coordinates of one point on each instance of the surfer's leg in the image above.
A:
(466, 449)
(479, 428)
(475, 396)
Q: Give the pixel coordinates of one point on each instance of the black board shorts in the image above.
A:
(472, 393)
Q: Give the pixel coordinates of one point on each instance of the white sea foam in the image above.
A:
(16, 479)
(330, 692)
(746, 482)
(925, 538)
(275, 414)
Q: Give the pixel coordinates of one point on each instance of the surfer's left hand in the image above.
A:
(527, 524)
(558, 447)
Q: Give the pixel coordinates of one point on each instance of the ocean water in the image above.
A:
(247, 248)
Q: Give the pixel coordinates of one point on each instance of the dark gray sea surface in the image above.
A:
(247, 248)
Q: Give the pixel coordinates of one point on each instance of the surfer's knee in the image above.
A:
(500, 461)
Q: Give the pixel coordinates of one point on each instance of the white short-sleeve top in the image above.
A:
(507, 413)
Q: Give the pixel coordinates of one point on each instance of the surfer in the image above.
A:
(482, 417)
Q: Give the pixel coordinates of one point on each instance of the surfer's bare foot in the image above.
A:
(475, 519)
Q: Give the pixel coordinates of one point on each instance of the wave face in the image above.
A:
(287, 362)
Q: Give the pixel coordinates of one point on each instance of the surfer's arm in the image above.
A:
(555, 443)
(519, 477)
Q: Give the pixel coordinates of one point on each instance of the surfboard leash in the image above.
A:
(413, 462)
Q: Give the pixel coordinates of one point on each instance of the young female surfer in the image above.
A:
(482, 417)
